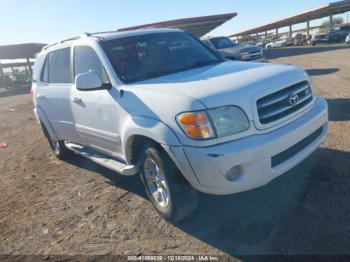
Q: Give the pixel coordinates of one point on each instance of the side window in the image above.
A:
(206, 42)
(86, 60)
(57, 68)
(45, 71)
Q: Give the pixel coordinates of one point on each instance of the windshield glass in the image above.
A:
(222, 42)
(142, 57)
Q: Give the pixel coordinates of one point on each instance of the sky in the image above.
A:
(46, 21)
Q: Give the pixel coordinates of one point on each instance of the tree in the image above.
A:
(336, 21)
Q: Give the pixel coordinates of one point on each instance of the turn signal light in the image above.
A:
(196, 125)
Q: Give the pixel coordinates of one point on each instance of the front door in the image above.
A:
(95, 112)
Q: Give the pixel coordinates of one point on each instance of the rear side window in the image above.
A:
(57, 67)
(45, 72)
(86, 60)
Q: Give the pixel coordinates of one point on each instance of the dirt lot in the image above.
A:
(65, 208)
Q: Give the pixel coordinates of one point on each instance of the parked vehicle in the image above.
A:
(161, 104)
(230, 50)
(347, 39)
(343, 31)
(300, 39)
(331, 37)
(277, 43)
(320, 39)
(336, 37)
(263, 43)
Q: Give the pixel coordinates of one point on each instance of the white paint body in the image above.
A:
(108, 120)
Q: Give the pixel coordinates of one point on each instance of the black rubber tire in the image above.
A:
(183, 198)
(58, 147)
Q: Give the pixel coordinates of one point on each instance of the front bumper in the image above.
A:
(260, 59)
(253, 59)
(206, 167)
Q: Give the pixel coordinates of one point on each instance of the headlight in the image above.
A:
(244, 55)
(226, 120)
(196, 125)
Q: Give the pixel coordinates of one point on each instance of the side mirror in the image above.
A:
(89, 81)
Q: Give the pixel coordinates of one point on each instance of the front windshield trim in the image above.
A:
(216, 60)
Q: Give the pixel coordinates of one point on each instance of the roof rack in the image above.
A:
(80, 36)
(104, 32)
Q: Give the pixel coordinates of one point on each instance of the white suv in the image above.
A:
(161, 104)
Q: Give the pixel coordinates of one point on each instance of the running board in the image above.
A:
(102, 159)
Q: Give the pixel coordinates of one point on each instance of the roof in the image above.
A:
(107, 35)
(320, 12)
(20, 51)
(198, 26)
(118, 34)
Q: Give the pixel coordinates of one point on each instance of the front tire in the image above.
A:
(170, 193)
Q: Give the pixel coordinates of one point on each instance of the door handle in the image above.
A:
(76, 99)
(40, 96)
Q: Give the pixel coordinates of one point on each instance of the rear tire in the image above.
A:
(58, 146)
(171, 195)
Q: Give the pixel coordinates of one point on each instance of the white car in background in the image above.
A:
(277, 43)
(347, 39)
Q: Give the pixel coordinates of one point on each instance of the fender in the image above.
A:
(148, 127)
(45, 121)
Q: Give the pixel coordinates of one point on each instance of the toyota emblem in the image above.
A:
(293, 99)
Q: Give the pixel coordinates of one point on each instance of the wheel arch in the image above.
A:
(44, 121)
(139, 130)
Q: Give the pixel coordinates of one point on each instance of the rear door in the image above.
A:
(95, 111)
(53, 93)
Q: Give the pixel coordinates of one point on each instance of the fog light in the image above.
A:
(234, 173)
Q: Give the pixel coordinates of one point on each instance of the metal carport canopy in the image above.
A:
(20, 51)
(198, 26)
(320, 12)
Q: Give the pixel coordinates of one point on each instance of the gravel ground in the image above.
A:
(77, 207)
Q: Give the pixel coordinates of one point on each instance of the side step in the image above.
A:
(104, 160)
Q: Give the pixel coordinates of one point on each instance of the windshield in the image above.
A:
(142, 57)
(222, 42)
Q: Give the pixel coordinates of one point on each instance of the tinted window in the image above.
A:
(222, 42)
(45, 72)
(59, 69)
(147, 56)
(206, 42)
(86, 60)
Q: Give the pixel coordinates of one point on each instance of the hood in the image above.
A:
(237, 50)
(227, 83)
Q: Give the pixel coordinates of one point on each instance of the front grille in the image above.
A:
(292, 151)
(278, 105)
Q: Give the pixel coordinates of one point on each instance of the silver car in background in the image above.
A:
(233, 51)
